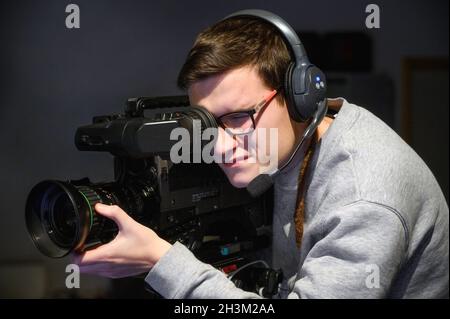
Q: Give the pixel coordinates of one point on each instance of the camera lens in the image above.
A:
(61, 218)
(57, 217)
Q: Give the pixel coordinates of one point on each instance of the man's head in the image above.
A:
(234, 65)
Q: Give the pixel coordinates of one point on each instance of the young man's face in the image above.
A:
(238, 90)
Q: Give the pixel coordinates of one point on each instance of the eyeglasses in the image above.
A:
(243, 122)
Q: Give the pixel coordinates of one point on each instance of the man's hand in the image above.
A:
(135, 249)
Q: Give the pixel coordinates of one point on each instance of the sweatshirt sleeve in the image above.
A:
(361, 249)
(179, 274)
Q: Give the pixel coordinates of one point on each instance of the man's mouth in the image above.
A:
(234, 163)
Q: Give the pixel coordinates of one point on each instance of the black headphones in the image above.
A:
(305, 84)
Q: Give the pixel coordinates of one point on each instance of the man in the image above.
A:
(357, 213)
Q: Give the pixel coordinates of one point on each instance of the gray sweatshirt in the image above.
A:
(376, 225)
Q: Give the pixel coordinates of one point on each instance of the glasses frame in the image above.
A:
(250, 113)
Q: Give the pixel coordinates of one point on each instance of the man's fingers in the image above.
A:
(113, 212)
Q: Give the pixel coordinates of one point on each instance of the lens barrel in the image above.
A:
(61, 218)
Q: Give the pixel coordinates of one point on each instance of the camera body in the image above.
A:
(196, 205)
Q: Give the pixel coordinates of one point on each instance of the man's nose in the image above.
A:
(225, 146)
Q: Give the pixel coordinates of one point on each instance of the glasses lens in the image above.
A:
(238, 123)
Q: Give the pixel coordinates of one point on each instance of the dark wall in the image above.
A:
(53, 79)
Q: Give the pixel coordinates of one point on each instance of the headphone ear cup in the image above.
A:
(289, 94)
(305, 87)
(312, 90)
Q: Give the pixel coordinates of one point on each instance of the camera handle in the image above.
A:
(135, 106)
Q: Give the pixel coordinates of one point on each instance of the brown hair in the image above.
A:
(299, 214)
(234, 43)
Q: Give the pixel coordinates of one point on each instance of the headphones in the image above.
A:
(305, 84)
(305, 89)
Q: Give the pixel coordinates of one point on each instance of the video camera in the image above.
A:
(192, 203)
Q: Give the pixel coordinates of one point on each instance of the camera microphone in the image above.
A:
(263, 182)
